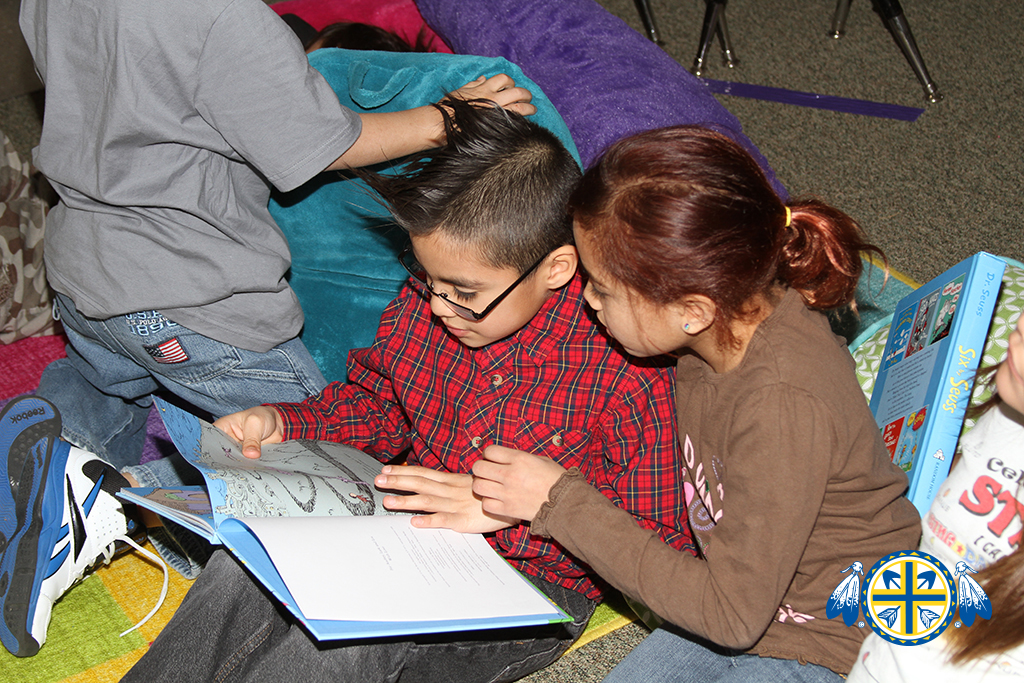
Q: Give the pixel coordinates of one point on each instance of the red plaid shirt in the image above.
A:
(557, 388)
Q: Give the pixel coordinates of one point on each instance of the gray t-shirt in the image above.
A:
(166, 123)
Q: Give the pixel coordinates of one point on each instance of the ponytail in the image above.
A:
(821, 255)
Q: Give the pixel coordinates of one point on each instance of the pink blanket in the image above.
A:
(401, 17)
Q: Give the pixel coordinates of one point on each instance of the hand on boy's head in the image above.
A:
(391, 135)
(514, 483)
(501, 90)
(446, 496)
(1010, 375)
(253, 427)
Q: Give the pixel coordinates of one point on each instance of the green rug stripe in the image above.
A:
(83, 633)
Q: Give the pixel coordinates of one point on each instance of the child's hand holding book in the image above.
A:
(253, 427)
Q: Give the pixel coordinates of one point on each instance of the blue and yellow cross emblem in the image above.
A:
(909, 597)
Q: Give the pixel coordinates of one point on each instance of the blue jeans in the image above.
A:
(184, 551)
(673, 655)
(104, 388)
(229, 629)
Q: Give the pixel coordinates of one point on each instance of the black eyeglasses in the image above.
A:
(417, 274)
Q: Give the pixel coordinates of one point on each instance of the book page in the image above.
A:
(294, 478)
(186, 505)
(384, 569)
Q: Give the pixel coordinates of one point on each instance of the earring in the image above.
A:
(686, 327)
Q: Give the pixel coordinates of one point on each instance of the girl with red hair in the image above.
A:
(691, 253)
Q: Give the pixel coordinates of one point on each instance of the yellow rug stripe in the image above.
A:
(610, 615)
(893, 273)
(135, 583)
(111, 671)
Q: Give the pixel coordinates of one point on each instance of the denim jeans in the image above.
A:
(229, 628)
(104, 387)
(184, 551)
(669, 654)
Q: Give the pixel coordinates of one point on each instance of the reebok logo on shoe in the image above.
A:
(15, 419)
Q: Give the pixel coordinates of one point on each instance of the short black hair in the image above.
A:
(501, 183)
(353, 35)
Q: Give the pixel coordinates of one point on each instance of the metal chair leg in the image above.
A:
(839, 18)
(712, 15)
(892, 13)
(647, 18)
(729, 58)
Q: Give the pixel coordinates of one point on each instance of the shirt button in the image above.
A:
(556, 440)
(496, 380)
(476, 441)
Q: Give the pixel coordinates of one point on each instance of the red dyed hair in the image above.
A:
(680, 211)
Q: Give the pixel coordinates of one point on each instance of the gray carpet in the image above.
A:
(929, 193)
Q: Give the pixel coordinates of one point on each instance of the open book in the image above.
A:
(307, 521)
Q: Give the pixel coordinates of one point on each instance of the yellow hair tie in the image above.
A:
(789, 217)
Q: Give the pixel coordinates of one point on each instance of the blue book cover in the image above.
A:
(928, 367)
(307, 521)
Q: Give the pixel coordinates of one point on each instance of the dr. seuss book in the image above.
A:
(307, 521)
(927, 371)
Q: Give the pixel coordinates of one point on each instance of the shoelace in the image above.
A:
(108, 553)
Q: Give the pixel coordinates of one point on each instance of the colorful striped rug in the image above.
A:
(83, 645)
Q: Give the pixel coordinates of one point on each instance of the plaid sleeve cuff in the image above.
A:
(299, 421)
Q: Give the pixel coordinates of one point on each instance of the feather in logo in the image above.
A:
(970, 598)
(845, 599)
(909, 597)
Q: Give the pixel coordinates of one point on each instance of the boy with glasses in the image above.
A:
(490, 343)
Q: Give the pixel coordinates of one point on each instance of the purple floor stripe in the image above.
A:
(807, 99)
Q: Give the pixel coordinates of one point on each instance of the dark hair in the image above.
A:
(500, 184)
(685, 210)
(302, 28)
(1003, 582)
(352, 35)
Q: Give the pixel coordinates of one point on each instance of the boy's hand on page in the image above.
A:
(514, 483)
(253, 427)
(446, 496)
(501, 90)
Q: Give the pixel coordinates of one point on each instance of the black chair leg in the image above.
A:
(714, 17)
(892, 14)
(839, 19)
(729, 58)
(647, 18)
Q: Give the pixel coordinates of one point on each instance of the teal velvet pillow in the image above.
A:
(344, 247)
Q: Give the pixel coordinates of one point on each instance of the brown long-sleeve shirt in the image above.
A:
(788, 484)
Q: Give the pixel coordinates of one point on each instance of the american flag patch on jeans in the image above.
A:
(168, 352)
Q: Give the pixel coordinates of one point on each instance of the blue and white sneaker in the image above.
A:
(33, 458)
(58, 518)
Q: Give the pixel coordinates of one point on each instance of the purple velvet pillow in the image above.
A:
(606, 80)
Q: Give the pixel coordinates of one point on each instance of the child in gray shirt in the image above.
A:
(167, 123)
